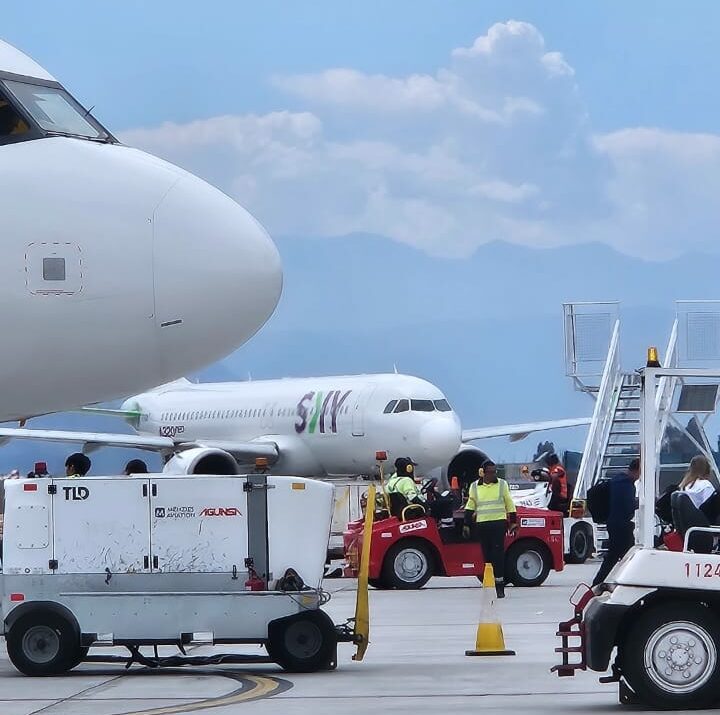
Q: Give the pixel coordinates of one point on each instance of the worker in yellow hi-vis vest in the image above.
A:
(491, 510)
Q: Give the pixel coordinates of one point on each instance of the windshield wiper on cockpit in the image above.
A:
(106, 139)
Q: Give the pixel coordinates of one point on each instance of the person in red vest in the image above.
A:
(559, 496)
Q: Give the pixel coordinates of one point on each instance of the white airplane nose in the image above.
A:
(218, 276)
(440, 440)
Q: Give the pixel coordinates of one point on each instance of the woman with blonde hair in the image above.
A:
(696, 482)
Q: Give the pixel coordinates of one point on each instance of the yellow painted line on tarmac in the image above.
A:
(263, 687)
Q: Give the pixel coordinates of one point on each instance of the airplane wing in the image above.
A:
(520, 431)
(91, 439)
(244, 452)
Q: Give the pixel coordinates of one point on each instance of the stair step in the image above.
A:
(627, 409)
(621, 463)
(625, 420)
(628, 433)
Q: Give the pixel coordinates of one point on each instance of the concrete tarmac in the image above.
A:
(416, 663)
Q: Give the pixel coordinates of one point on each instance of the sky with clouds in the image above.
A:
(443, 126)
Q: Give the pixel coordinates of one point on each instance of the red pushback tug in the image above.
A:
(404, 554)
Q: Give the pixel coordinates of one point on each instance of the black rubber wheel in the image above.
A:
(379, 584)
(581, 544)
(79, 657)
(303, 643)
(671, 656)
(409, 564)
(43, 643)
(527, 563)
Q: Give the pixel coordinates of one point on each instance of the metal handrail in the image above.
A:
(666, 386)
(701, 529)
(608, 393)
(572, 363)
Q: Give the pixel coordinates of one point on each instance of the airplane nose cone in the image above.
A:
(218, 276)
(439, 441)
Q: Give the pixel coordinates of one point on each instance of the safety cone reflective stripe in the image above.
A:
(490, 639)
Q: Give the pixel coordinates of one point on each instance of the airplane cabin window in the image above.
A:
(443, 406)
(390, 407)
(55, 110)
(402, 406)
(422, 406)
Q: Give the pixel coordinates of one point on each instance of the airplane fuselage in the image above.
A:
(119, 271)
(326, 426)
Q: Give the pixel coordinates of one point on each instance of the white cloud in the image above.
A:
(664, 190)
(495, 146)
(502, 191)
(350, 88)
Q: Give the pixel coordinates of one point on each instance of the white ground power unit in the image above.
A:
(166, 560)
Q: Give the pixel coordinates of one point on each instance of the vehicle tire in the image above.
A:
(409, 564)
(581, 544)
(43, 643)
(302, 643)
(671, 656)
(527, 563)
(379, 584)
(79, 657)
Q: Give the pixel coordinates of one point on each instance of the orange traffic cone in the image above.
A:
(489, 639)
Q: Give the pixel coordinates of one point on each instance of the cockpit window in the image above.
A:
(422, 405)
(55, 110)
(442, 406)
(11, 123)
(402, 406)
(390, 407)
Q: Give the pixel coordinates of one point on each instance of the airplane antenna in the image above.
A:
(395, 368)
(249, 377)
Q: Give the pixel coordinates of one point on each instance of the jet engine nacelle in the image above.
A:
(202, 460)
(465, 465)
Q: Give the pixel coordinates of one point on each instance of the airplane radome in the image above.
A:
(119, 270)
